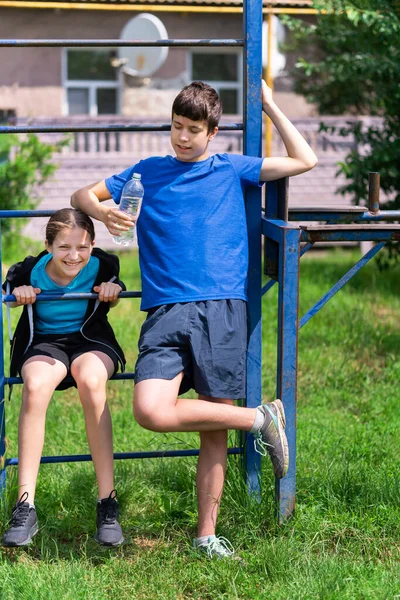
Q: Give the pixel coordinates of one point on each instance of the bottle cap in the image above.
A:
(136, 176)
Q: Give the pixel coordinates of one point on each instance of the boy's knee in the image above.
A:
(146, 416)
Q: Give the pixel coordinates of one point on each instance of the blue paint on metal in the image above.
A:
(374, 234)
(272, 282)
(289, 261)
(267, 286)
(115, 377)
(342, 281)
(50, 296)
(121, 456)
(314, 215)
(93, 128)
(2, 403)
(67, 43)
(252, 120)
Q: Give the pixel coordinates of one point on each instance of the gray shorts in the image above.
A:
(206, 340)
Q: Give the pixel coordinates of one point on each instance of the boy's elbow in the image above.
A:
(311, 162)
(73, 200)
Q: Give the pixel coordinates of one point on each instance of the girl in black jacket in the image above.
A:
(56, 339)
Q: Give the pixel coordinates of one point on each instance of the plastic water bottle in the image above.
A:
(130, 203)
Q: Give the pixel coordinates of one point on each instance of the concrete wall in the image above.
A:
(31, 81)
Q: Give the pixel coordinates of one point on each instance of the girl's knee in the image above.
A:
(90, 383)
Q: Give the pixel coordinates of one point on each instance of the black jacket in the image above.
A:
(96, 325)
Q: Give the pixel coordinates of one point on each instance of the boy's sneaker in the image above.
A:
(271, 437)
(218, 547)
(109, 532)
(23, 524)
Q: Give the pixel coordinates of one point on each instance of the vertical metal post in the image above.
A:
(252, 123)
(2, 410)
(289, 271)
(276, 207)
(374, 180)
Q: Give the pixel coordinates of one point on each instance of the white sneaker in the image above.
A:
(218, 547)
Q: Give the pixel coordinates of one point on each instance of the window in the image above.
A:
(91, 82)
(221, 68)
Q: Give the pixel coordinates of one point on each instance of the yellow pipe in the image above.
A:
(150, 7)
(270, 81)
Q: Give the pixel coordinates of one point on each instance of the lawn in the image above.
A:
(344, 541)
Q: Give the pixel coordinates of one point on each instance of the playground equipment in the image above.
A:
(284, 231)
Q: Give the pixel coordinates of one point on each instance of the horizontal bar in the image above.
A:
(23, 214)
(116, 376)
(120, 456)
(274, 228)
(342, 281)
(93, 128)
(350, 236)
(118, 43)
(340, 216)
(50, 296)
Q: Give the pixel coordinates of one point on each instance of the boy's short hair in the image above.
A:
(198, 101)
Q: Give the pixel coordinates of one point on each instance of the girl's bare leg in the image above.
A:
(91, 372)
(41, 375)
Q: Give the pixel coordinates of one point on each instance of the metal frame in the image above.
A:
(252, 126)
(282, 252)
(285, 231)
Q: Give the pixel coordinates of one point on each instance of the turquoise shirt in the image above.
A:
(65, 316)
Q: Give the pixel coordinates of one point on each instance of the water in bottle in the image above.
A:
(131, 200)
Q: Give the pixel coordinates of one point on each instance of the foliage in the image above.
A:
(350, 64)
(27, 164)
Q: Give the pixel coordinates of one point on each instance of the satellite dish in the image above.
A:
(143, 61)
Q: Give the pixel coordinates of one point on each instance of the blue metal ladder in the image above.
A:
(252, 127)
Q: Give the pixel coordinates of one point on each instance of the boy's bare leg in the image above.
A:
(41, 375)
(91, 372)
(211, 469)
(158, 408)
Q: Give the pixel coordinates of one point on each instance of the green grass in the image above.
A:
(344, 541)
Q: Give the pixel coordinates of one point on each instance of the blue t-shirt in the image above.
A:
(191, 230)
(66, 316)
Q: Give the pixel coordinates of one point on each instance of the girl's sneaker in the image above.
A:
(109, 532)
(23, 524)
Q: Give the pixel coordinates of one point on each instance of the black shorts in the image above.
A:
(206, 340)
(65, 348)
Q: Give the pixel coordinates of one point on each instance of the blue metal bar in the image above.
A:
(340, 216)
(267, 286)
(2, 403)
(289, 265)
(117, 43)
(252, 119)
(272, 282)
(93, 128)
(51, 296)
(275, 228)
(342, 281)
(120, 456)
(373, 234)
(115, 377)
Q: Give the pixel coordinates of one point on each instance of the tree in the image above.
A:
(25, 164)
(350, 64)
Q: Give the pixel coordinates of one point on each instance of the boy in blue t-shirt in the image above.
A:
(194, 258)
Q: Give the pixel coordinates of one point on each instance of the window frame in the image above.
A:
(92, 85)
(221, 84)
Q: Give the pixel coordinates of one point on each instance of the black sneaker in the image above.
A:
(109, 532)
(23, 524)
